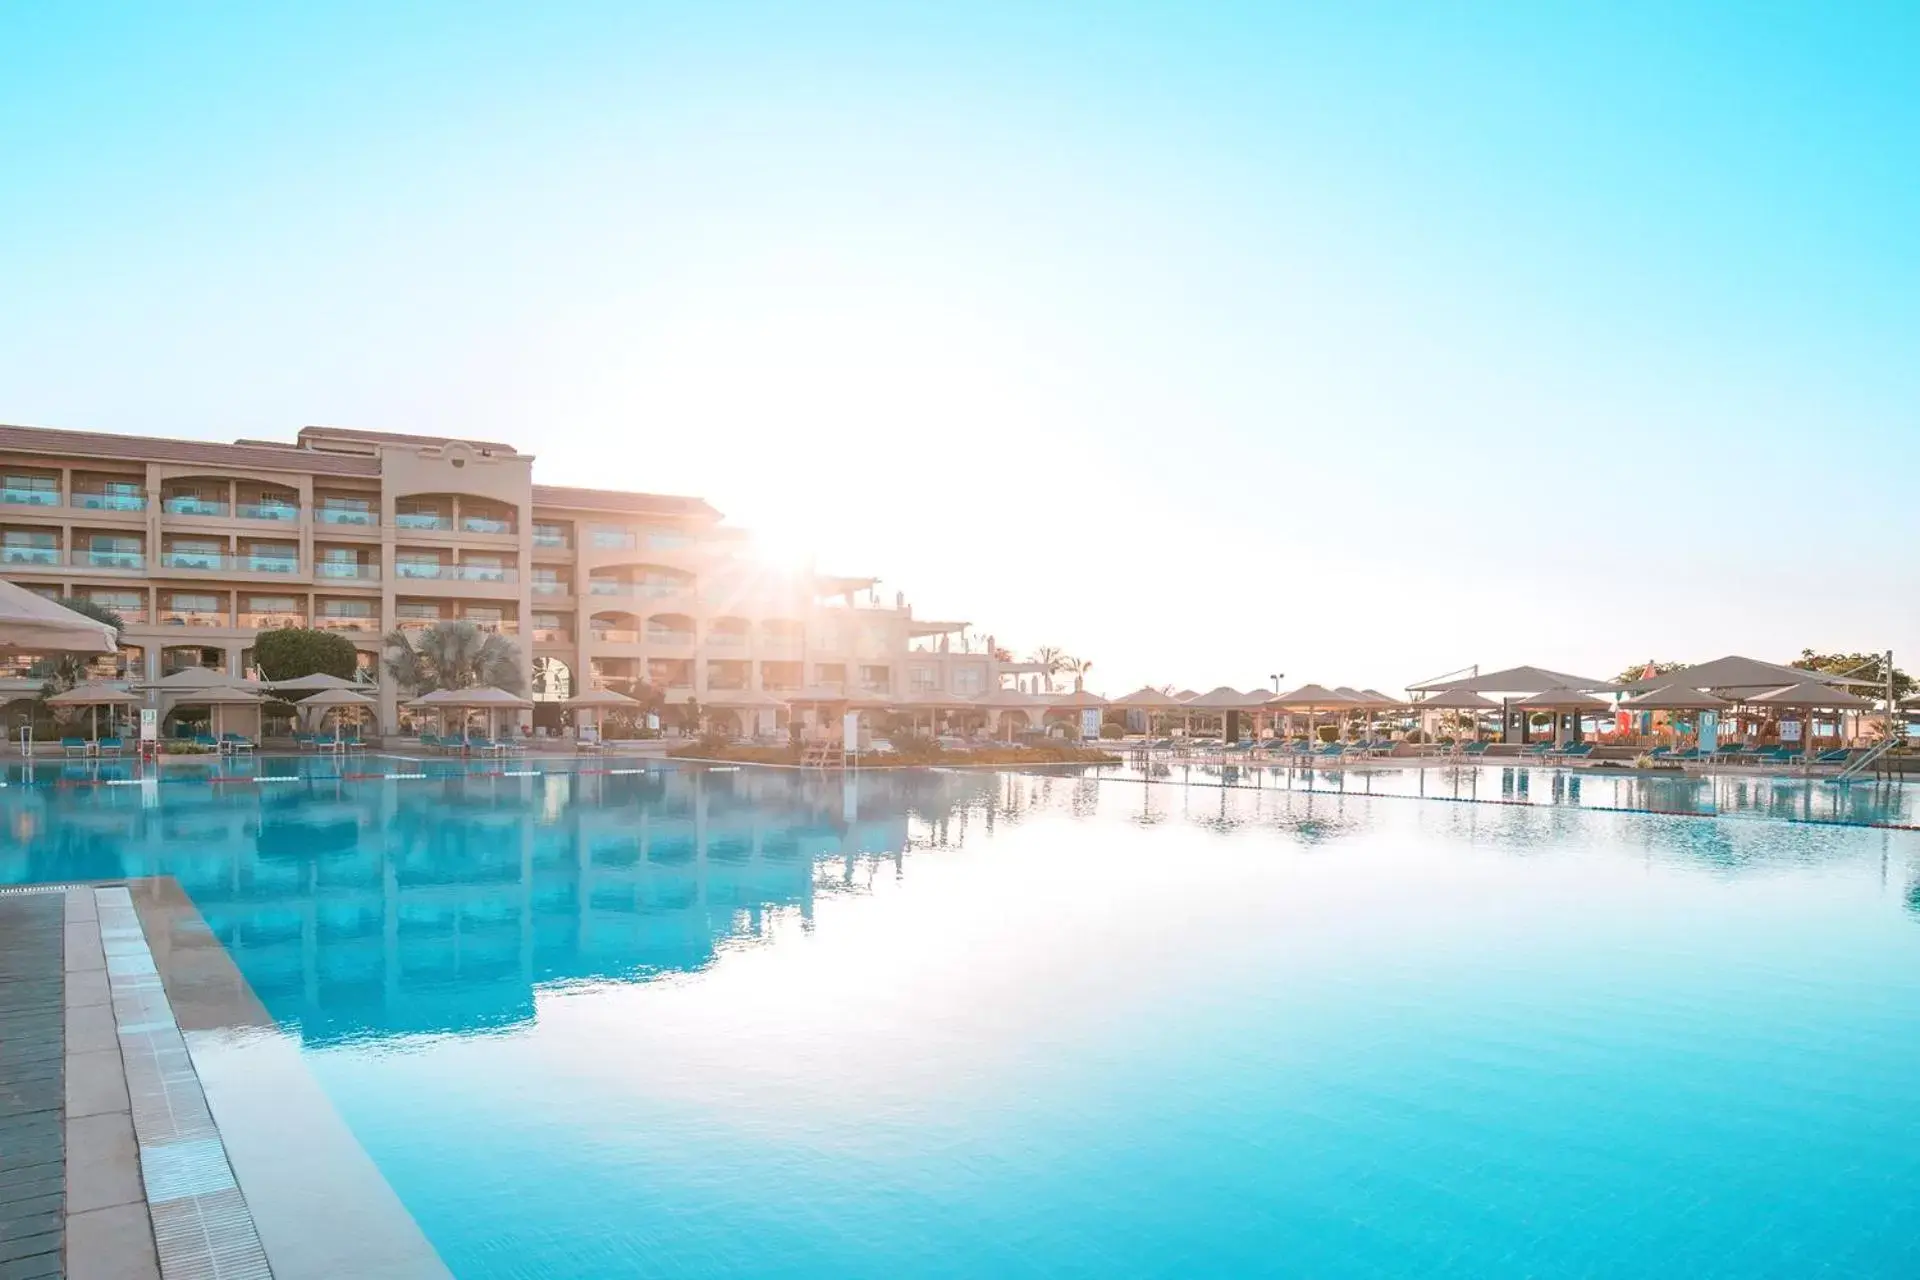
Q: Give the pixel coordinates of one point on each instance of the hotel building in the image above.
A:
(200, 546)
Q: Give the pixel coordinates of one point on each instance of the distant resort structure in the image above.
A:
(609, 613)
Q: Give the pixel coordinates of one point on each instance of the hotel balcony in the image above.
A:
(37, 557)
(31, 491)
(195, 618)
(270, 620)
(221, 562)
(553, 636)
(418, 571)
(345, 571)
(345, 622)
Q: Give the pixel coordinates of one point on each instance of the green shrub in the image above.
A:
(287, 653)
(1113, 731)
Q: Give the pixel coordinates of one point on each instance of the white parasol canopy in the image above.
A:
(31, 623)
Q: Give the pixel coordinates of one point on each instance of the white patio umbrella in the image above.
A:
(1457, 700)
(31, 623)
(312, 684)
(1312, 699)
(216, 698)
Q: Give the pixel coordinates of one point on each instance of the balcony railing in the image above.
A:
(29, 497)
(639, 590)
(29, 555)
(615, 635)
(268, 511)
(346, 571)
(182, 505)
(345, 515)
(338, 622)
(132, 617)
(552, 635)
(192, 618)
(110, 501)
(504, 627)
(726, 640)
(249, 562)
(456, 572)
(271, 619)
(89, 558)
(684, 639)
(548, 587)
(485, 524)
(421, 520)
(554, 541)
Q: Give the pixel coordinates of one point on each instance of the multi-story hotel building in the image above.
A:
(200, 546)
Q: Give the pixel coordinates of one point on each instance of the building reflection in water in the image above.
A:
(436, 906)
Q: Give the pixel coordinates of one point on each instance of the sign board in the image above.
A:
(1090, 722)
(850, 731)
(1709, 731)
(1789, 731)
(149, 724)
(653, 722)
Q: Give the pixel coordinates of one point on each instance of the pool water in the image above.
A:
(685, 1022)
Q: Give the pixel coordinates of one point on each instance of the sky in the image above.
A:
(1352, 343)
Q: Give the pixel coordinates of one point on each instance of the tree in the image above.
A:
(1861, 666)
(287, 653)
(452, 655)
(1048, 658)
(1638, 671)
(1077, 668)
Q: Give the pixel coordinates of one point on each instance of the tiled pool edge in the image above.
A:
(200, 1221)
(320, 1206)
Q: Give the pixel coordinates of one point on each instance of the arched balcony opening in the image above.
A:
(671, 629)
(615, 627)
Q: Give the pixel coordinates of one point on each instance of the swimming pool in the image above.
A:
(686, 1022)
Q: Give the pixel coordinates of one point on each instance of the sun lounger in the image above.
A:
(1576, 751)
(205, 740)
(110, 746)
(236, 743)
(1839, 755)
(76, 746)
(1476, 748)
(431, 742)
(1688, 754)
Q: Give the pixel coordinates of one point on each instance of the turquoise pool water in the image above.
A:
(695, 1023)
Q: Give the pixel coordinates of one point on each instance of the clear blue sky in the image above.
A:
(1352, 341)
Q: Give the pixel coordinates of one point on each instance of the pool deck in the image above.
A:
(112, 1165)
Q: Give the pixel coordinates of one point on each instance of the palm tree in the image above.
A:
(1049, 659)
(1077, 668)
(452, 655)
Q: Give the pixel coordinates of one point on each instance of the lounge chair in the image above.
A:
(1839, 755)
(1575, 751)
(1475, 748)
(205, 740)
(236, 743)
(304, 741)
(353, 742)
(431, 742)
(480, 745)
(76, 746)
(326, 742)
(1688, 754)
(110, 746)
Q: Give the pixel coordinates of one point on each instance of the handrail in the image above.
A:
(1861, 764)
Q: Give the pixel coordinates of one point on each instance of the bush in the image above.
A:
(1113, 731)
(287, 653)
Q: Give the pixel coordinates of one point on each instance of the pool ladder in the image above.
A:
(1871, 760)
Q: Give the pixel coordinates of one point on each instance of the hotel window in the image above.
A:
(549, 535)
(420, 515)
(273, 557)
(428, 612)
(347, 609)
(483, 615)
(668, 539)
(611, 537)
(195, 553)
(31, 490)
(416, 564)
(106, 551)
(875, 678)
(121, 602)
(29, 546)
(922, 678)
(482, 568)
(113, 495)
(969, 681)
(343, 510)
(547, 622)
(830, 672)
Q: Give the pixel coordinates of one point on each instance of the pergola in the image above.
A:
(1147, 701)
(598, 701)
(477, 698)
(1313, 699)
(331, 701)
(1675, 697)
(1559, 701)
(94, 696)
(1455, 700)
(1515, 683)
(1810, 696)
